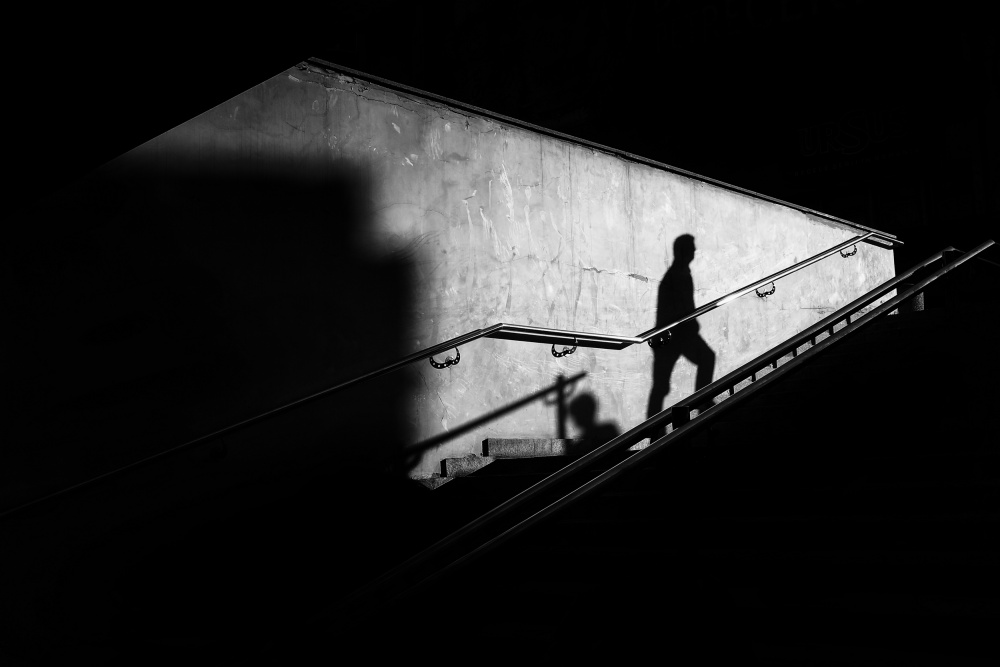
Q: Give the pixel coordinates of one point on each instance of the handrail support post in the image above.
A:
(680, 415)
(913, 304)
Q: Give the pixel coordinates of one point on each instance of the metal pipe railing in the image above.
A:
(732, 296)
(518, 332)
(546, 335)
(611, 341)
(420, 568)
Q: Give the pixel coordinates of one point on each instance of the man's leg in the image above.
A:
(697, 351)
(701, 355)
(656, 396)
(704, 359)
(663, 367)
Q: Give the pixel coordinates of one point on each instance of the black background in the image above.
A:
(884, 115)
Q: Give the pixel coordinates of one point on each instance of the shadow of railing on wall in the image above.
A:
(562, 388)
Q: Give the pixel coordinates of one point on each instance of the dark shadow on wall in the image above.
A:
(675, 300)
(562, 388)
(593, 434)
(162, 299)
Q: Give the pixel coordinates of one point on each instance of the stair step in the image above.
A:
(886, 532)
(465, 498)
(542, 465)
(793, 576)
(465, 465)
(912, 501)
(435, 482)
(508, 448)
(812, 515)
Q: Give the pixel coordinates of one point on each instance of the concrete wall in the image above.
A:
(511, 226)
(318, 226)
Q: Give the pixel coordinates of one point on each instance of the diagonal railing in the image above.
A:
(518, 332)
(690, 413)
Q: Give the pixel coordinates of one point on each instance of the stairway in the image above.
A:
(841, 515)
(476, 484)
(845, 515)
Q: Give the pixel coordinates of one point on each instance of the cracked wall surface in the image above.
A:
(501, 224)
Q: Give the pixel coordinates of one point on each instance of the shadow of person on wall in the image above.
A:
(583, 410)
(675, 300)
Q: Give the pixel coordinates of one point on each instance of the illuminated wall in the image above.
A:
(318, 226)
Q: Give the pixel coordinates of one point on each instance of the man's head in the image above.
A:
(583, 408)
(684, 249)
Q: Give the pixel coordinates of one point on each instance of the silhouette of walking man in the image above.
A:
(676, 299)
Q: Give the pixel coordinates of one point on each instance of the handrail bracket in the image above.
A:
(449, 361)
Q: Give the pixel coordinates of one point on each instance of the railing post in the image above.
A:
(914, 304)
(680, 415)
(949, 255)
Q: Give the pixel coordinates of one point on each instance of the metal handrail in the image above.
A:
(732, 296)
(640, 456)
(981, 259)
(367, 598)
(611, 341)
(518, 332)
(533, 334)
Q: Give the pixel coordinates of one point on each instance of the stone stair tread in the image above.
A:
(433, 482)
(522, 466)
(500, 448)
(464, 465)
